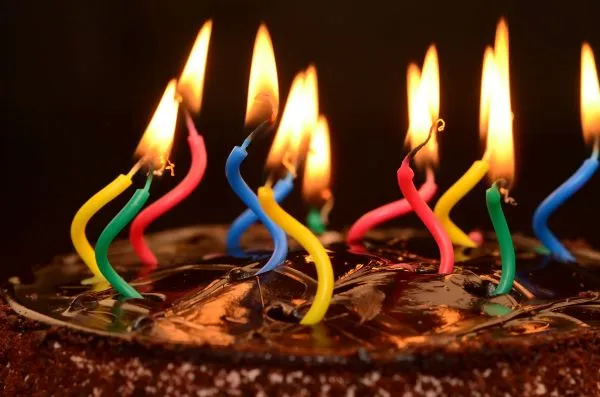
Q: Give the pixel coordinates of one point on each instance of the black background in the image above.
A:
(81, 79)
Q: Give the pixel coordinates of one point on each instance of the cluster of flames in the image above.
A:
(303, 133)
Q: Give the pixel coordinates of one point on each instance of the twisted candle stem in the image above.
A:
(405, 181)
(558, 197)
(243, 191)
(493, 198)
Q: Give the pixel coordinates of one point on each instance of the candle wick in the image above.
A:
(438, 125)
(289, 164)
(262, 128)
(134, 169)
(327, 207)
(596, 148)
(503, 188)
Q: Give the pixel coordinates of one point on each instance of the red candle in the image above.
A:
(420, 207)
(189, 89)
(390, 211)
(171, 199)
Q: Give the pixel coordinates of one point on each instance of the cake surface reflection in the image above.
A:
(388, 297)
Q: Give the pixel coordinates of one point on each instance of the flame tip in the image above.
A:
(191, 82)
(423, 106)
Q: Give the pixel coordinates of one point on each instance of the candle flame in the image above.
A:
(191, 81)
(298, 122)
(423, 107)
(155, 146)
(496, 112)
(317, 174)
(263, 90)
(488, 80)
(590, 95)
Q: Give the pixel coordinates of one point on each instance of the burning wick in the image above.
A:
(317, 220)
(494, 196)
(420, 207)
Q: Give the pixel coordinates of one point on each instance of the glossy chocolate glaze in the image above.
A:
(387, 297)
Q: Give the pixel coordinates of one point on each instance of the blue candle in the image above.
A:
(243, 191)
(238, 227)
(555, 200)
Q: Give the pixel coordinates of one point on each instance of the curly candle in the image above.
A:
(238, 227)
(420, 207)
(86, 212)
(312, 245)
(118, 223)
(493, 200)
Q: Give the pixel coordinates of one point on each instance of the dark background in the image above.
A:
(80, 81)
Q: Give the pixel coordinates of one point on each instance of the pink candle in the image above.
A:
(390, 211)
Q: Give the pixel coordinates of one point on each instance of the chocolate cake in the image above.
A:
(395, 327)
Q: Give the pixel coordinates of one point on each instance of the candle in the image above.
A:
(495, 61)
(190, 87)
(312, 245)
(87, 211)
(299, 120)
(238, 227)
(261, 109)
(423, 91)
(317, 179)
(420, 207)
(496, 120)
(154, 149)
(590, 123)
(111, 231)
(493, 199)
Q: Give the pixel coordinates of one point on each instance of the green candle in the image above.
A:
(315, 222)
(111, 231)
(493, 199)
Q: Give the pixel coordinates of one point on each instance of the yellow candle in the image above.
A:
(312, 245)
(453, 195)
(86, 212)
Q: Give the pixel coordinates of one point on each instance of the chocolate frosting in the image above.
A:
(388, 297)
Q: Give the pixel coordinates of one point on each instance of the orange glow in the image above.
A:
(423, 107)
(317, 174)
(191, 81)
(155, 146)
(297, 122)
(263, 91)
(496, 109)
(590, 95)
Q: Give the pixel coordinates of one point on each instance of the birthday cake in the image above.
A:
(395, 326)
